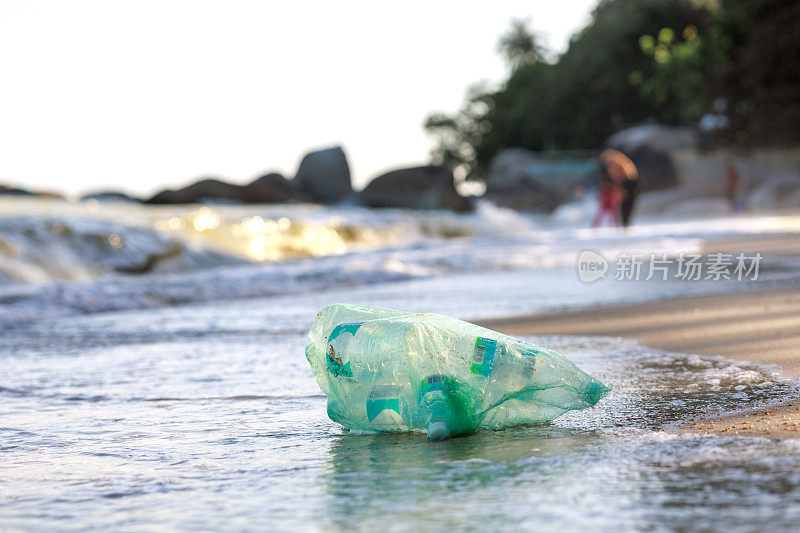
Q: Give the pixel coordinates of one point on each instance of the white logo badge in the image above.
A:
(591, 266)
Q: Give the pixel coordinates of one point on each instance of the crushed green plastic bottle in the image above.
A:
(385, 370)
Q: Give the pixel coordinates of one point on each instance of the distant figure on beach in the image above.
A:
(630, 187)
(732, 180)
(616, 169)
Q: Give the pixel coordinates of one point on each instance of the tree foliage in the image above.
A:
(520, 46)
(636, 60)
(760, 80)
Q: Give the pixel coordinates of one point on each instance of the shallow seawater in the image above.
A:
(182, 400)
(206, 416)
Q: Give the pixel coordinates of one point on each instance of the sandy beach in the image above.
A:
(762, 326)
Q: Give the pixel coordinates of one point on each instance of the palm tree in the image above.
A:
(519, 45)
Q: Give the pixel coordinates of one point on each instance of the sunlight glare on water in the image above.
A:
(180, 399)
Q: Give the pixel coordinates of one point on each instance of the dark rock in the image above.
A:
(525, 197)
(650, 147)
(270, 188)
(109, 196)
(426, 187)
(655, 166)
(526, 181)
(10, 190)
(325, 176)
(274, 188)
(152, 260)
(14, 191)
(206, 189)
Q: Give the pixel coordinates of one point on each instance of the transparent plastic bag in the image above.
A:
(385, 370)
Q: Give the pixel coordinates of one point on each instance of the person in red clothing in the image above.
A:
(610, 193)
(732, 180)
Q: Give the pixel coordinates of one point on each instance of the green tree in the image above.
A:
(468, 139)
(592, 90)
(636, 60)
(520, 45)
(594, 94)
(456, 136)
(681, 82)
(760, 80)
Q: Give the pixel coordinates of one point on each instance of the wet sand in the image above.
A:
(761, 326)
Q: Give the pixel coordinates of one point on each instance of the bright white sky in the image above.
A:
(139, 95)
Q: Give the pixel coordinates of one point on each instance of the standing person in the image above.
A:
(609, 194)
(732, 179)
(630, 187)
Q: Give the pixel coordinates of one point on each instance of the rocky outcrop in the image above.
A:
(109, 196)
(523, 180)
(768, 179)
(776, 193)
(10, 190)
(424, 187)
(205, 189)
(324, 176)
(526, 197)
(274, 188)
(650, 147)
(270, 188)
(15, 191)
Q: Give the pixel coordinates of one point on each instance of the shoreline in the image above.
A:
(761, 326)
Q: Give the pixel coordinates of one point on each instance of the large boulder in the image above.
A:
(706, 171)
(324, 175)
(650, 147)
(525, 197)
(776, 193)
(109, 196)
(425, 187)
(270, 188)
(205, 189)
(274, 188)
(524, 180)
